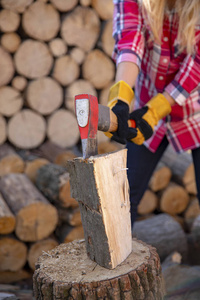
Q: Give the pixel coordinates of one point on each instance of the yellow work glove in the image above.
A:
(119, 100)
(147, 117)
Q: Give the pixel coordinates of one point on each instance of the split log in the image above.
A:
(10, 41)
(10, 162)
(36, 218)
(9, 20)
(85, 2)
(38, 248)
(134, 279)
(7, 219)
(104, 8)
(160, 178)
(7, 277)
(19, 133)
(6, 67)
(189, 180)
(65, 198)
(164, 233)
(174, 199)
(62, 129)
(17, 6)
(11, 101)
(44, 95)
(78, 87)
(107, 41)
(19, 83)
(194, 243)
(191, 213)
(66, 233)
(33, 166)
(3, 130)
(58, 47)
(106, 207)
(98, 69)
(64, 6)
(33, 59)
(148, 203)
(13, 254)
(81, 28)
(65, 70)
(78, 55)
(41, 21)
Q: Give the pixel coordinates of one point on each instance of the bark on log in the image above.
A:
(98, 69)
(13, 254)
(44, 95)
(78, 87)
(11, 101)
(107, 41)
(9, 20)
(194, 243)
(17, 6)
(104, 8)
(3, 130)
(81, 28)
(32, 168)
(160, 178)
(10, 162)
(7, 277)
(134, 279)
(66, 70)
(174, 199)
(64, 6)
(189, 180)
(41, 21)
(10, 41)
(105, 207)
(62, 129)
(7, 219)
(38, 248)
(58, 47)
(164, 233)
(66, 233)
(33, 59)
(78, 55)
(19, 83)
(148, 203)
(19, 133)
(6, 67)
(49, 151)
(36, 219)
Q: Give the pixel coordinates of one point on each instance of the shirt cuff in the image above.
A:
(130, 56)
(177, 92)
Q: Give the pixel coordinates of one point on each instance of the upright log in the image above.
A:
(66, 272)
(105, 210)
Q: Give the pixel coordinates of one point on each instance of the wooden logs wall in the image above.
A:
(51, 50)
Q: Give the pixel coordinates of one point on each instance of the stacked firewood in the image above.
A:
(49, 52)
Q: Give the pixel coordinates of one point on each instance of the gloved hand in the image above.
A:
(147, 117)
(119, 100)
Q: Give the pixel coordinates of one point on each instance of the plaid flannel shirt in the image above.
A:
(162, 68)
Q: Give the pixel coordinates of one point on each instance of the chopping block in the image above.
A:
(100, 186)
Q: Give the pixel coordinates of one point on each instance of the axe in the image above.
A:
(91, 117)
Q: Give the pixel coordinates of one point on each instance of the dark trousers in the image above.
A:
(141, 163)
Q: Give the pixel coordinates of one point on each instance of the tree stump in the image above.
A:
(67, 273)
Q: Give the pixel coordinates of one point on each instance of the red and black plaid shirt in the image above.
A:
(162, 68)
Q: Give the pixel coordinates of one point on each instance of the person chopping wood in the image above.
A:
(157, 52)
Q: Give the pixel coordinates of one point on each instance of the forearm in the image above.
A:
(128, 72)
(169, 98)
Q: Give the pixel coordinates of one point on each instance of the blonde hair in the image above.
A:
(188, 16)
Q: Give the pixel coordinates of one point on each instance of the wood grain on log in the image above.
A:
(58, 47)
(9, 20)
(160, 178)
(138, 277)
(6, 67)
(62, 129)
(7, 277)
(38, 248)
(98, 69)
(7, 219)
(65, 198)
(44, 95)
(13, 254)
(36, 218)
(85, 2)
(33, 59)
(64, 6)
(17, 6)
(81, 28)
(104, 8)
(148, 203)
(10, 41)
(26, 129)
(41, 21)
(189, 180)
(191, 213)
(33, 166)
(19, 83)
(11, 101)
(66, 233)
(107, 41)
(10, 162)
(78, 55)
(3, 130)
(105, 210)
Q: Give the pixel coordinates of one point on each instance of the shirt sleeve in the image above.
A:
(128, 32)
(187, 79)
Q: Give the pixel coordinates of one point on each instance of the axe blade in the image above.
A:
(86, 108)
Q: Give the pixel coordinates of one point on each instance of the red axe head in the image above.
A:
(86, 108)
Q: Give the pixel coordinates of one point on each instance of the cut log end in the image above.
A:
(7, 224)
